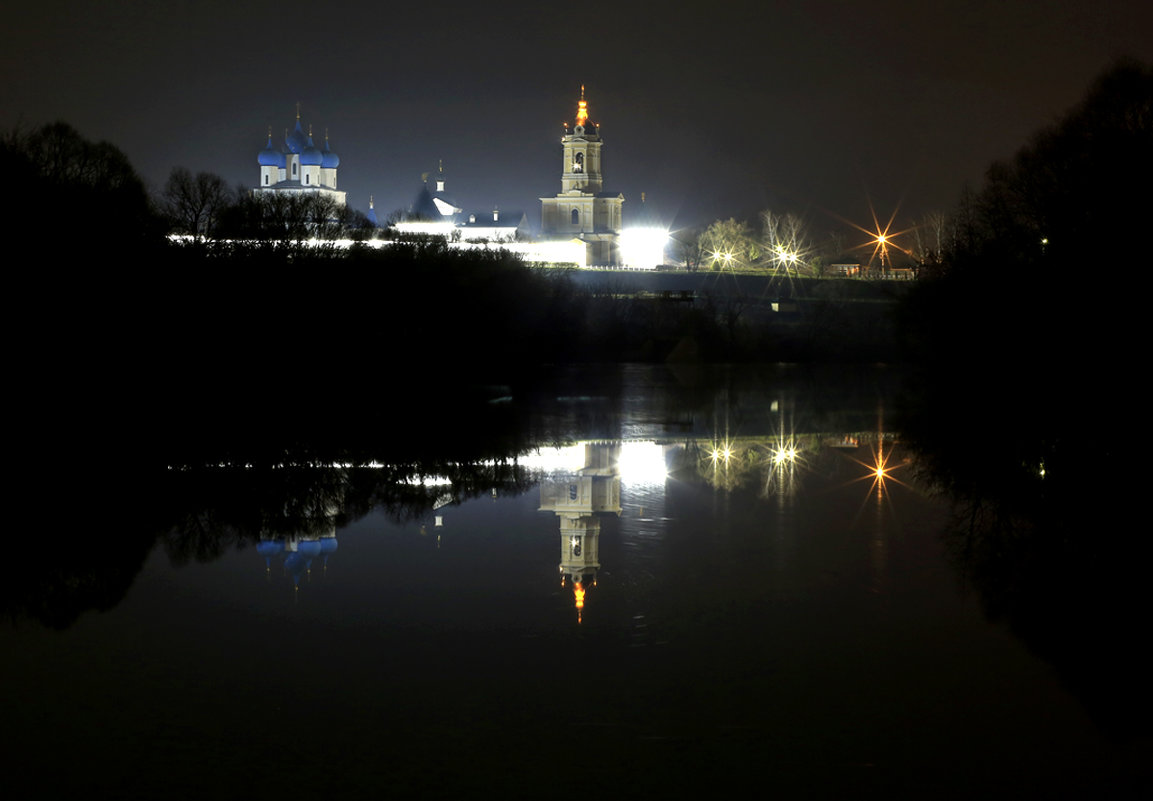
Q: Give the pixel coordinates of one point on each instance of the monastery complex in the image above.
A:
(581, 224)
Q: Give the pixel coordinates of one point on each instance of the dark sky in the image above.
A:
(713, 110)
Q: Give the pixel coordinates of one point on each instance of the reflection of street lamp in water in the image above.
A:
(880, 470)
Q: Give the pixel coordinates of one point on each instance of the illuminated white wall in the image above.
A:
(572, 253)
(426, 228)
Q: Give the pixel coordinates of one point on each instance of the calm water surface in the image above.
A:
(682, 582)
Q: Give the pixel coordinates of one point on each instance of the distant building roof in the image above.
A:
(495, 219)
(424, 207)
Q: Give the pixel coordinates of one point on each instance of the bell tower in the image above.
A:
(581, 169)
(583, 209)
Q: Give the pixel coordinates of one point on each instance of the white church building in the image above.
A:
(299, 166)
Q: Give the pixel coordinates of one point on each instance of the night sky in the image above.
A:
(713, 110)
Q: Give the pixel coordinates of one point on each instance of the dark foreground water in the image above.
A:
(672, 584)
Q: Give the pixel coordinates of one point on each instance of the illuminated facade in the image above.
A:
(299, 167)
(583, 210)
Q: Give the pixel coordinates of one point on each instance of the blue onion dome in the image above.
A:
(330, 160)
(295, 141)
(373, 221)
(311, 155)
(270, 156)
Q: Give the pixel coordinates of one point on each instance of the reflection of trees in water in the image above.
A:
(200, 514)
(61, 577)
(1048, 534)
(1024, 369)
(214, 510)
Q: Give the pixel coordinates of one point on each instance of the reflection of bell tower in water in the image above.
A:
(577, 499)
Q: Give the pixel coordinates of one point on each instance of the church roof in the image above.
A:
(330, 159)
(311, 155)
(296, 141)
(300, 143)
(504, 219)
(424, 208)
(447, 207)
(270, 156)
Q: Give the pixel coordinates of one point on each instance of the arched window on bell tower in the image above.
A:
(578, 164)
(576, 217)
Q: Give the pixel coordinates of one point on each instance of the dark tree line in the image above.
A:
(203, 206)
(1074, 197)
(1045, 261)
(1035, 311)
(193, 204)
(1027, 403)
(72, 190)
(77, 195)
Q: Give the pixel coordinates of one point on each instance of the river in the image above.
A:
(670, 582)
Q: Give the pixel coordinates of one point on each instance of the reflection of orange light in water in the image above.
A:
(578, 593)
(880, 470)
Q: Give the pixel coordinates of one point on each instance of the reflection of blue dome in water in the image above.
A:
(327, 546)
(269, 549)
(299, 561)
(297, 564)
(298, 554)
